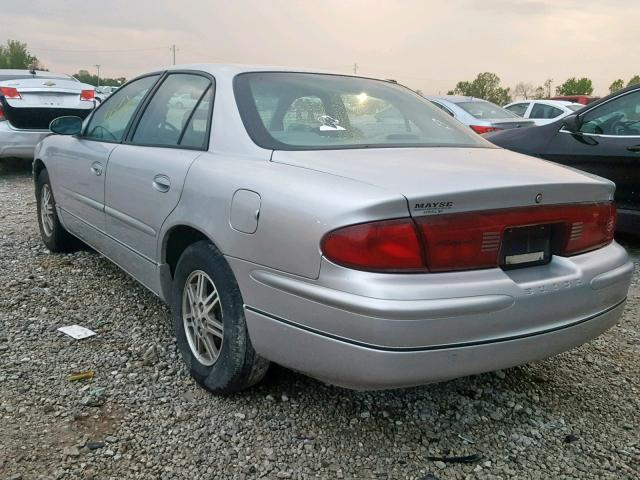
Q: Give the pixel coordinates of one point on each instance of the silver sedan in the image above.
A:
(340, 226)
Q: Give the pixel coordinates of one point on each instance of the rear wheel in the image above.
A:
(209, 322)
(53, 234)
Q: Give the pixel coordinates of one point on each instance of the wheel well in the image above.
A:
(179, 239)
(38, 166)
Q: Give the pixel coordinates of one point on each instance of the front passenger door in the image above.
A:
(145, 175)
(79, 164)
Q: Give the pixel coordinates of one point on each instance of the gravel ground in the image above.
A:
(572, 416)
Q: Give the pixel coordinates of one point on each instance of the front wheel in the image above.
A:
(53, 234)
(209, 322)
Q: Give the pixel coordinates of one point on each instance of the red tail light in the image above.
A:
(390, 245)
(88, 95)
(464, 241)
(10, 93)
(484, 129)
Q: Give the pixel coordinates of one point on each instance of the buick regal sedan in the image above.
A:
(286, 220)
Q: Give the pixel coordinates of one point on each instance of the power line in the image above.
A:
(96, 51)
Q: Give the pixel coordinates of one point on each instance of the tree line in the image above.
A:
(16, 55)
(488, 87)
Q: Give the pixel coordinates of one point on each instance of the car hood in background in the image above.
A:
(444, 179)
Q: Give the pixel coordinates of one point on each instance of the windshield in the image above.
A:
(302, 111)
(575, 108)
(483, 109)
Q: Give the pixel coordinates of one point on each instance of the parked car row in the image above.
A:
(340, 226)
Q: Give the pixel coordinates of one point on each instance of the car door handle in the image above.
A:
(96, 167)
(634, 148)
(162, 183)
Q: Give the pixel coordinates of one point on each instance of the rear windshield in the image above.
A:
(482, 110)
(303, 111)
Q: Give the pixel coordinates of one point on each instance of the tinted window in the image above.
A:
(170, 109)
(484, 109)
(620, 116)
(519, 108)
(540, 110)
(195, 133)
(110, 120)
(300, 111)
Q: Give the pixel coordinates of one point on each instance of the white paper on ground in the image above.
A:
(77, 332)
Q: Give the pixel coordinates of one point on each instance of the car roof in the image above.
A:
(11, 72)
(231, 69)
(547, 101)
(455, 98)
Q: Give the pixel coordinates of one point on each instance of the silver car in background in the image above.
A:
(337, 225)
(480, 115)
(30, 100)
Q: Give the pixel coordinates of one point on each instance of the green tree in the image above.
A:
(576, 86)
(616, 85)
(539, 93)
(635, 80)
(15, 54)
(486, 86)
(85, 77)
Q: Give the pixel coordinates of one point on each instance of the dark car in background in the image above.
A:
(603, 138)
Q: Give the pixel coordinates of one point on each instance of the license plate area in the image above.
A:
(527, 246)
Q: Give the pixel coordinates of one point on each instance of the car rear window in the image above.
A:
(306, 111)
(483, 110)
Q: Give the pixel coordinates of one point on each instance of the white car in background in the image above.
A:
(30, 100)
(543, 112)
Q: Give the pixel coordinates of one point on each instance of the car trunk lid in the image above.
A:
(449, 180)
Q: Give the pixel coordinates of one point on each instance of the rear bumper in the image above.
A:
(629, 221)
(363, 367)
(401, 330)
(19, 143)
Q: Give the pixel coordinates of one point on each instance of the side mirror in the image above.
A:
(572, 123)
(66, 125)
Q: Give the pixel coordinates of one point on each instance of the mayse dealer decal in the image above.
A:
(432, 207)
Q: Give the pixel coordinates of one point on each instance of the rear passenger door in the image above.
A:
(145, 174)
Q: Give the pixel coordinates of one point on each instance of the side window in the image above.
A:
(518, 108)
(620, 116)
(443, 108)
(110, 120)
(303, 114)
(195, 133)
(541, 110)
(170, 110)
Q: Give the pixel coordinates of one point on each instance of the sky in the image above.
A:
(424, 44)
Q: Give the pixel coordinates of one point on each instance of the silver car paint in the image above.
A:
(451, 103)
(358, 329)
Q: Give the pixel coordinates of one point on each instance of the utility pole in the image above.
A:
(98, 67)
(355, 68)
(173, 49)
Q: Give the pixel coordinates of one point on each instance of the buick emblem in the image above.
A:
(49, 83)
(538, 198)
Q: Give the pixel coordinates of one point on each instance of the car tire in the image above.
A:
(53, 234)
(212, 335)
